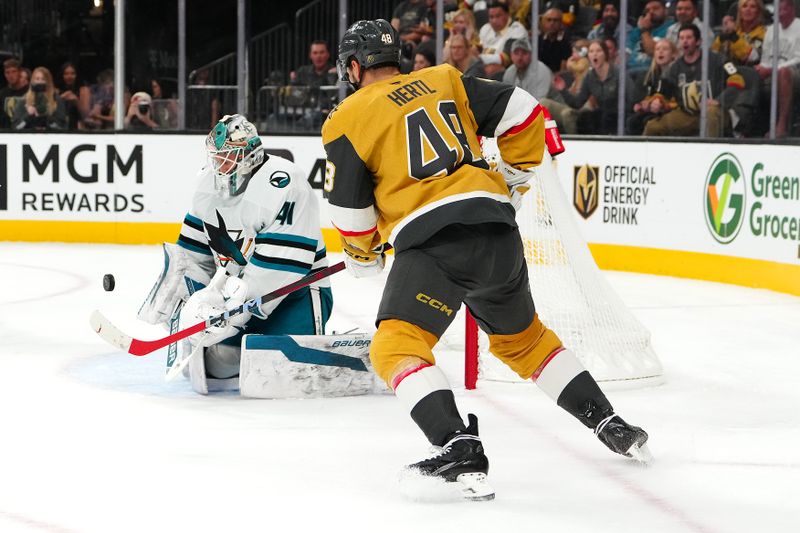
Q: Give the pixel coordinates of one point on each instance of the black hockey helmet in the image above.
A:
(371, 43)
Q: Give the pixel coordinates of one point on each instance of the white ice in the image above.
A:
(94, 441)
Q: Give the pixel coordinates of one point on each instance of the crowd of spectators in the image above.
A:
(574, 71)
(36, 100)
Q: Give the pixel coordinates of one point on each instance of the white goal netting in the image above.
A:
(571, 295)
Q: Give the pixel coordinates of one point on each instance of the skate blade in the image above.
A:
(641, 453)
(419, 487)
(474, 487)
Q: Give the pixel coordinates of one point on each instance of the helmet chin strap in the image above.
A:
(357, 84)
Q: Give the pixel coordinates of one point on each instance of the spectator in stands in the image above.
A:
(476, 5)
(572, 73)
(462, 59)
(495, 34)
(554, 41)
(650, 27)
(202, 105)
(15, 87)
(685, 13)
(521, 12)
(788, 62)
(463, 23)
(609, 23)
(140, 113)
(410, 19)
(306, 92)
(41, 108)
(684, 77)
(424, 57)
(25, 75)
(164, 106)
(649, 92)
(534, 80)
(742, 39)
(320, 71)
(613, 50)
(101, 111)
(76, 95)
(577, 65)
(598, 93)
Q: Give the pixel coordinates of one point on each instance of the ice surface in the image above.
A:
(95, 441)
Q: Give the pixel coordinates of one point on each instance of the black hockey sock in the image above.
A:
(437, 416)
(583, 399)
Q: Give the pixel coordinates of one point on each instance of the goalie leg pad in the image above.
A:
(399, 346)
(524, 352)
(181, 276)
(306, 366)
(196, 370)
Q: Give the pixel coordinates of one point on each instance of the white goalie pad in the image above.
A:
(195, 371)
(307, 366)
(181, 276)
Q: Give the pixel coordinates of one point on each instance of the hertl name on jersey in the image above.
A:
(408, 92)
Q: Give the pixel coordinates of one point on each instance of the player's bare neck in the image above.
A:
(378, 74)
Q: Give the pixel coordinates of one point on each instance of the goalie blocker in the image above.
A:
(296, 366)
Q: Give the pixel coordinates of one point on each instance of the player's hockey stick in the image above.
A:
(116, 337)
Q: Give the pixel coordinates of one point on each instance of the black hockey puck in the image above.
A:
(108, 282)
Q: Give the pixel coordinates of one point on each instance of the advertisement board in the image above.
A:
(737, 200)
(729, 212)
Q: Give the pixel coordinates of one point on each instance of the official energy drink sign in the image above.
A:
(725, 198)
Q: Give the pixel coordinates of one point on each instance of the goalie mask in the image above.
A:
(234, 150)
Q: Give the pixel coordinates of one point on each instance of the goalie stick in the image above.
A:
(117, 338)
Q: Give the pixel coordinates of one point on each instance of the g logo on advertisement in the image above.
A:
(585, 184)
(725, 198)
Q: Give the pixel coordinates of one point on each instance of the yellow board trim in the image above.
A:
(781, 277)
(758, 273)
(110, 232)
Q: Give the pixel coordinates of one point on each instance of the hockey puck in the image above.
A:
(108, 282)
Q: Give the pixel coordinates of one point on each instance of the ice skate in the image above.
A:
(461, 462)
(624, 439)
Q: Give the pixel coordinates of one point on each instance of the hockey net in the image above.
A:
(572, 297)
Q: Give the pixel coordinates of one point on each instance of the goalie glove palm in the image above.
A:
(361, 264)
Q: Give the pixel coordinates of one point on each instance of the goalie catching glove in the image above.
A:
(222, 294)
(361, 264)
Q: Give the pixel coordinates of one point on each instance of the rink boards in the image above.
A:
(714, 211)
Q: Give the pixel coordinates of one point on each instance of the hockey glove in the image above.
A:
(517, 181)
(223, 293)
(363, 264)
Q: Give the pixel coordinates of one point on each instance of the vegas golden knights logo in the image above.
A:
(585, 189)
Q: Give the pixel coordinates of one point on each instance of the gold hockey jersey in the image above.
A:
(404, 159)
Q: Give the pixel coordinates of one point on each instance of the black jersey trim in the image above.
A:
(470, 211)
(488, 101)
(193, 242)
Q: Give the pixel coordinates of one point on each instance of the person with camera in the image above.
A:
(140, 113)
(41, 108)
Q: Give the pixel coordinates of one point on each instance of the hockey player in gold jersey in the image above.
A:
(405, 167)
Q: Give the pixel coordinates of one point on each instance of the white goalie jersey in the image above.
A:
(269, 235)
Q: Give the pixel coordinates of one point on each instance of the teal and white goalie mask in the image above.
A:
(234, 151)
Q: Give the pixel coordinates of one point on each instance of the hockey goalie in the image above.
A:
(253, 227)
